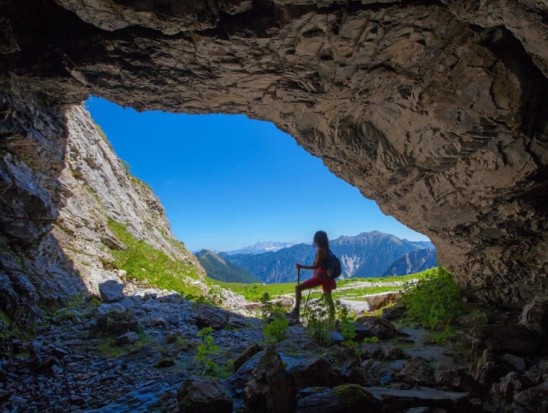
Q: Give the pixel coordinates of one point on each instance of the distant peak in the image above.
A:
(262, 247)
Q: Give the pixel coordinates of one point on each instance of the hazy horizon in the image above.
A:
(423, 239)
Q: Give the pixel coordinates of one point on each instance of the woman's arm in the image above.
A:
(320, 256)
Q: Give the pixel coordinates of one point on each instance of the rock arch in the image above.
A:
(437, 110)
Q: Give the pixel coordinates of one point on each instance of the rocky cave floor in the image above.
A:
(135, 354)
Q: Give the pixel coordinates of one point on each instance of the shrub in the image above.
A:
(347, 327)
(205, 352)
(274, 319)
(266, 306)
(276, 330)
(434, 301)
(316, 318)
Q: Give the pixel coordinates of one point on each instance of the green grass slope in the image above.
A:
(153, 267)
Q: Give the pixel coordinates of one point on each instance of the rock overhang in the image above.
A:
(438, 114)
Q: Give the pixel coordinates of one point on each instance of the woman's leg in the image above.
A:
(298, 295)
(331, 307)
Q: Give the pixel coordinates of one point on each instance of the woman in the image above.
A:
(321, 243)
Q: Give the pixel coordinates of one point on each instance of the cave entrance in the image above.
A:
(229, 182)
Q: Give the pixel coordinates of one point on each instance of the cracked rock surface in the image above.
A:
(436, 110)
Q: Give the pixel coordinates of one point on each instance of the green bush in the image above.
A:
(316, 319)
(276, 330)
(275, 322)
(434, 301)
(347, 327)
(266, 306)
(205, 352)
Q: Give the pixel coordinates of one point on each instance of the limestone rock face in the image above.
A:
(438, 111)
(61, 184)
(97, 187)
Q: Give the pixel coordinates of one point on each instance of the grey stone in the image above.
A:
(517, 363)
(397, 399)
(128, 338)
(203, 395)
(394, 312)
(374, 327)
(341, 399)
(111, 291)
(245, 355)
(534, 399)
(270, 389)
(534, 315)
(417, 371)
(209, 316)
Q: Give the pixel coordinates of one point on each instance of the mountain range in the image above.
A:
(414, 261)
(262, 247)
(369, 254)
(220, 269)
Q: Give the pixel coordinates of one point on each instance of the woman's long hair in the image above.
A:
(320, 239)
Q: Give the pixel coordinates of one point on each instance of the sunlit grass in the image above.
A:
(152, 267)
(253, 292)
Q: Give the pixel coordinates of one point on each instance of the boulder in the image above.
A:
(514, 362)
(127, 338)
(501, 393)
(532, 400)
(111, 291)
(486, 370)
(380, 300)
(310, 371)
(270, 389)
(383, 373)
(535, 316)
(209, 316)
(417, 371)
(238, 381)
(203, 395)
(513, 338)
(397, 399)
(246, 355)
(389, 352)
(394, 312)
(374, 327)
(116, 322)
(353, 372)
(346, 398)
(458, 380)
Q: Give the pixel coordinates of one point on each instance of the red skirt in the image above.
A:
(320, 278)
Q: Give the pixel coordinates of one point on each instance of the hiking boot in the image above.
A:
(293, 319)
(293, 316)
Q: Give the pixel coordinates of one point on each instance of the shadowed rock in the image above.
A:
(347, 398)
(395, 399)
(203, 395)
(111, 291)
(271, 389)
(438, 111)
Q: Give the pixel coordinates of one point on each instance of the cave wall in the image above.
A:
(437, 110)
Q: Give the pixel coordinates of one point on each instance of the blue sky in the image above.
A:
(227, 181)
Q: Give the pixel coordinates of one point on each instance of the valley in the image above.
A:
(372, 254)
